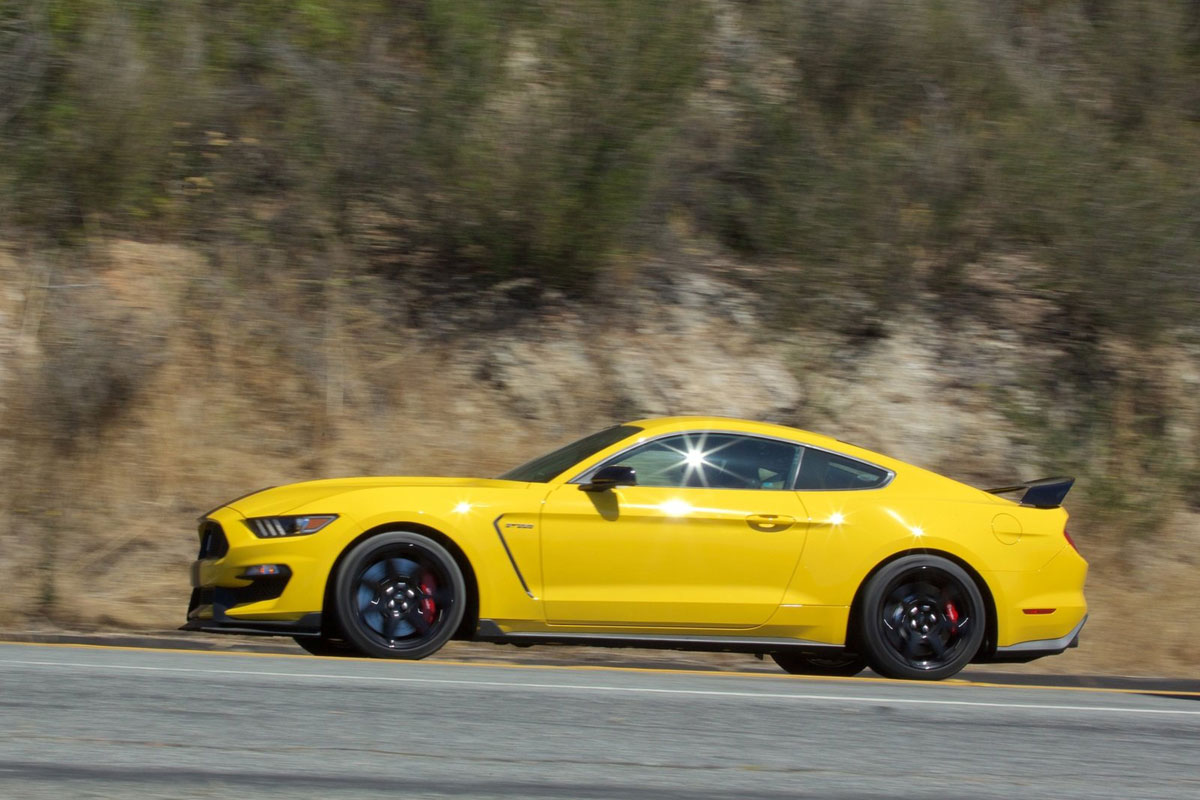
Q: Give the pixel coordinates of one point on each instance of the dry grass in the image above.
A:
(193, 388)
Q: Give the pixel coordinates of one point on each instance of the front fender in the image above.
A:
(463, 518)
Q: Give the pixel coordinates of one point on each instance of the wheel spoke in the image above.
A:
(891, 627)
(900, 595)
(374, 619)
(416, 617)
(412, 571)
(927, 589)
(375, 572)
(935, 642)
(362, 599)
(395, 568)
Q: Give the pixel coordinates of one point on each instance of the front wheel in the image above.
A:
(399, 595)
(922, 618)
(843, 665)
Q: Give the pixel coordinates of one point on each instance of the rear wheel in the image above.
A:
(325, 646)
(922, 618)
(399, 595)
(845, 665)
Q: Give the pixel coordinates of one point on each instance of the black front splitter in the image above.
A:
(308, 625)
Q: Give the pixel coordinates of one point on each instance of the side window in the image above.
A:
(713, 460)
(822, 471)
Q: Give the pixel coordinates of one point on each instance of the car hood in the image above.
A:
(282, 499)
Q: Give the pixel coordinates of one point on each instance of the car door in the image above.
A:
(708, 538)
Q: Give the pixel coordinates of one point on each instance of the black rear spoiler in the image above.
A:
(1044, 493)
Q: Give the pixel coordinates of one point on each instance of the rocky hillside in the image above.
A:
(138, 393)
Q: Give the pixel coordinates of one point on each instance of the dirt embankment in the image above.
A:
(142, 387)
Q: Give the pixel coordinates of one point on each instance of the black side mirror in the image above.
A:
(610, 478)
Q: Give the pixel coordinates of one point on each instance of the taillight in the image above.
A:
(1070, 541)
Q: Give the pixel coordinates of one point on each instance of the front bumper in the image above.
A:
(209, 610)
(286, 602)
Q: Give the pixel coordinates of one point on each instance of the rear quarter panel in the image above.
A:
(852, 532)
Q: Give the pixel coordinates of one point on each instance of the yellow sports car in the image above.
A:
(688, 532)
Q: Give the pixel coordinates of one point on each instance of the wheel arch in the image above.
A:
(466, 628)
(986, 647)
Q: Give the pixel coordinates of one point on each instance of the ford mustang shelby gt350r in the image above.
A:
(688, 532)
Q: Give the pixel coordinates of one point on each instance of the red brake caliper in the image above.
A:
(952, 615)
(428, 587)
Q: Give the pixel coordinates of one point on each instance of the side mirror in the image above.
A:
(610, 478)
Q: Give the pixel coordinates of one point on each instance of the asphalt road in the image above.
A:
(84, 722)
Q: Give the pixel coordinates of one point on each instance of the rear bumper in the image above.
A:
(1041, 612)
(1028, 651)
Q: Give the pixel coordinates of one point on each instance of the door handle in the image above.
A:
(770, 523)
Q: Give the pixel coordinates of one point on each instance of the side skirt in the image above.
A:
(489, 631)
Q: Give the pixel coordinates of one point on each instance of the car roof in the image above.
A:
(683, 423)
(927, 478)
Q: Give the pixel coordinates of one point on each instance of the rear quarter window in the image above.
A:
(824, 471)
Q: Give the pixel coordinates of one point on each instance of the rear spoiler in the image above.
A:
(1044, 493)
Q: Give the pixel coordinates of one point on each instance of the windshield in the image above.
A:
(544, 468)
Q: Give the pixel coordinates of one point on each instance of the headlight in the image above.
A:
(275, 527)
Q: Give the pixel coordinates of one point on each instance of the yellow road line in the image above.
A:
(953, 683)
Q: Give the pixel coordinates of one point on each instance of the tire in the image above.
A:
(843, 665)
(399, 595)
(325, 646)
(922, 618)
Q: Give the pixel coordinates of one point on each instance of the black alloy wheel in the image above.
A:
(399, 595)
(842, 664)
(326, 646)
(922, 618)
